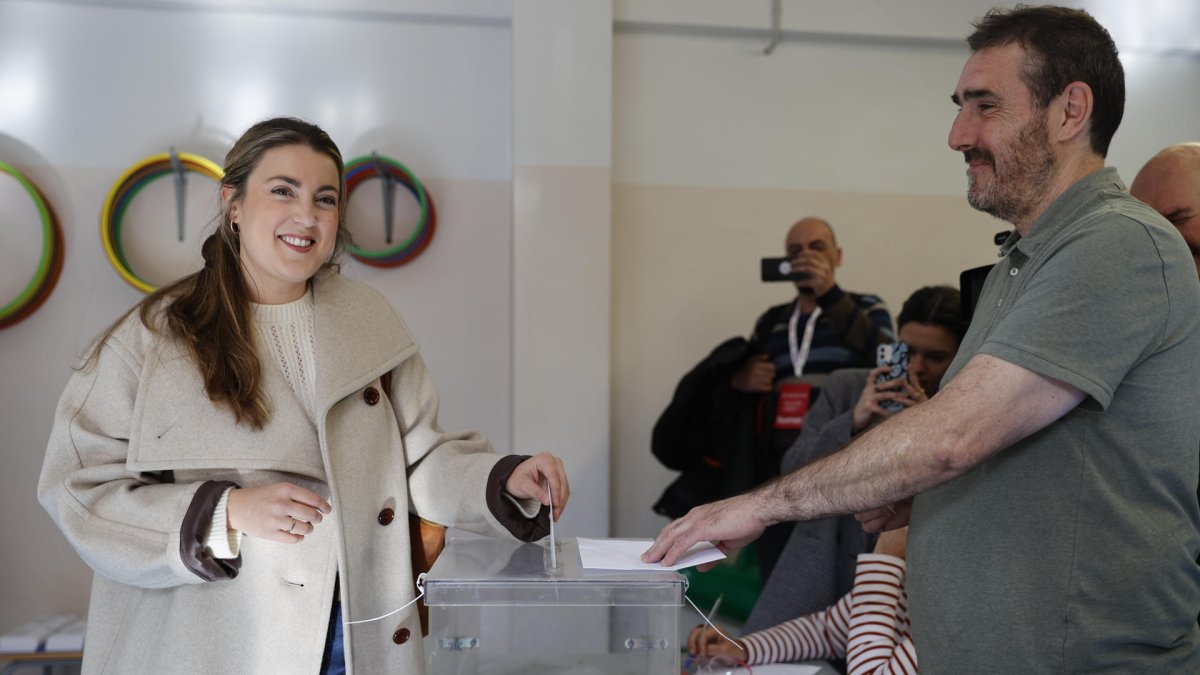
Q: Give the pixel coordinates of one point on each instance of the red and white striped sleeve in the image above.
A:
(880, 640)
(869, 626)
(821, 635)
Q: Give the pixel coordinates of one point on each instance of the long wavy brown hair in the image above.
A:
(210, 310)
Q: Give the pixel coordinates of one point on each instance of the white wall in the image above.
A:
(561, 225)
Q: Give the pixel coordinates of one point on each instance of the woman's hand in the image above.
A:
(280, 512)
(914, 390)
(529, 479)
(868, 409)
(705, 641)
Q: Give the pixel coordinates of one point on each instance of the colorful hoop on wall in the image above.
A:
(49, 264)
(364, 168)
(126, 188)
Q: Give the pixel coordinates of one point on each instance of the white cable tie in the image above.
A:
(420, 587)
(710, 623)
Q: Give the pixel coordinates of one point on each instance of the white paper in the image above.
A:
(626, 554)
(779, 669)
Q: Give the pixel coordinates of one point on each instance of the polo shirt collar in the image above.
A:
(1059, 214)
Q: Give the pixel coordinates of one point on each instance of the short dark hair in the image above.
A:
(1065, 45)
(935, 306)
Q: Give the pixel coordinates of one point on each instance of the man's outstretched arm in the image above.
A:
(987, 407)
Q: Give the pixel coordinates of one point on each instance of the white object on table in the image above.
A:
(626, 554)
(69, 638)
(779, 669)
(31, 636)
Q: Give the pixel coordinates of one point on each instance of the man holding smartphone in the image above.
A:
(1055, 526)
(845, 332)
(794, 347)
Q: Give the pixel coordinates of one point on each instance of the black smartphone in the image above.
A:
(780, 269)
(895, 356)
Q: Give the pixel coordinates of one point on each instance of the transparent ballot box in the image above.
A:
(499, 607)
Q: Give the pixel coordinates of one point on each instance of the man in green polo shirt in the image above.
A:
(1055, 526)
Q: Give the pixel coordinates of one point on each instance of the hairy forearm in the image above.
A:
(988, 406)
(909, 453)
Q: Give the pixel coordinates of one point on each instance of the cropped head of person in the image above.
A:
(1170, 184)
(932, 326)
(1040, 99)
(811, 247)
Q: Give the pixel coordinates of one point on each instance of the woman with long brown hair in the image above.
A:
(236, 455)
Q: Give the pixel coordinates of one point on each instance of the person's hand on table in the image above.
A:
(704, 641)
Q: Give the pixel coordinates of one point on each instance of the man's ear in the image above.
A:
(837, 257)
(1073, 112)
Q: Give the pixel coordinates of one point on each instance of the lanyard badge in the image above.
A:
(794, 397)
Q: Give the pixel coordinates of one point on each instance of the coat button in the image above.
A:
(385, 516)
(401, 636)
(371, 395)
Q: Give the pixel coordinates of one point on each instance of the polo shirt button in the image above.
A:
(401, 636)
(386, 516)
(1011, 273)
(371, 395)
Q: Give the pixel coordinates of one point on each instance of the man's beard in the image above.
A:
(1017, 188)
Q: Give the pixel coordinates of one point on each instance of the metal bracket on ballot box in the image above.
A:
(646, 644)
(459, 644)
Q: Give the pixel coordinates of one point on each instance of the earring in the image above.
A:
(233, 227)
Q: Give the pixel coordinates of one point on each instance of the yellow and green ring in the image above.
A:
(122, 193)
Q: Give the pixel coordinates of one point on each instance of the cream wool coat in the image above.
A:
(141, 410)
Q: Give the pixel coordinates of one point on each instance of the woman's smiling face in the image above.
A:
(287, 220)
